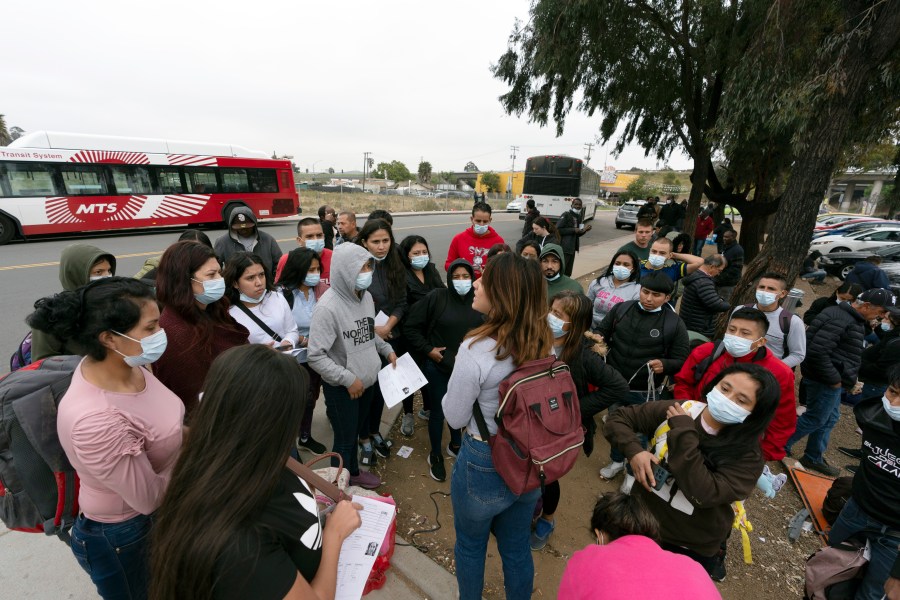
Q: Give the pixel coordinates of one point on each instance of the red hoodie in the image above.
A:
(785, 421)
(704, 228)
(473, 248)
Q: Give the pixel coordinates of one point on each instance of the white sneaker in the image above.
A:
(612, 469)
(627, 484)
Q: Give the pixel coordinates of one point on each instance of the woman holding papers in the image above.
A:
(512, 294)
(301, 286)
(344, 350)
(388, 291)
(235, 522)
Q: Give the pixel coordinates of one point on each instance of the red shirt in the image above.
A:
(324, 258)
(704, 228)
(473, 248)
(785, 421)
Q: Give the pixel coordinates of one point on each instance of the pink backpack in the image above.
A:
(539, 431)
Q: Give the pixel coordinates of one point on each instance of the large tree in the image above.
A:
(654, 69)
(424, 171)
(394, 170)
(825, 73)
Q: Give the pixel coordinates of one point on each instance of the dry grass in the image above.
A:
(365, 203)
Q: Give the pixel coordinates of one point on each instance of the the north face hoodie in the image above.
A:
(342, 340)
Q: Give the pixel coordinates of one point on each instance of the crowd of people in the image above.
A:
(203, 371)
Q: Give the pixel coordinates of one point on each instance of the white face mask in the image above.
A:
(723, 410)
(621, 273)
(480, 229)
(656, 260)
(738, 346)
(892, 411)
(462, 286)
(765, 298)
(152, 348)
(98, 277)
(315, 245)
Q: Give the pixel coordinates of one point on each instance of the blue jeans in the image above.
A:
(436, 389)
(817, 275)
(823, 409)
(632, 399)
(883, 545)
(698, 246)
(114, 555)
(345, 415)
(483, 504)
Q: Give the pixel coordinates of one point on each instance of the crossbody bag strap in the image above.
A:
(482, 424)
(259, 322)
(310, 477)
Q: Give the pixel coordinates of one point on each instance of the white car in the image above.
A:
(515, 205)
(868, 238)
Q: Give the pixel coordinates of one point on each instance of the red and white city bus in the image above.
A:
(63, 183)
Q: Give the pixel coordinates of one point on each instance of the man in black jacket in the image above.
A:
(571, 228)
(701, 301)
(872, 511)
(834, 344)
(734, 255)
(327, 219)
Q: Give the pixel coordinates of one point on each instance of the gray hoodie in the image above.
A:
(342, 340)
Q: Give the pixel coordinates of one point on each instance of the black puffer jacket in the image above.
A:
(834, 344)
(878, 359)
(569, 232)
(636, 336)
(701, 303)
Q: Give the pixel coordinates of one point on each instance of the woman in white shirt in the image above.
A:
(265, 314)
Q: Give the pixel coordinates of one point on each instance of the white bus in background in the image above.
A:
(553, 182)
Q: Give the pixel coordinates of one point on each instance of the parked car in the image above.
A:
(840, 264)
(515, 205)
(835, 218)
(868, 238)
(892, 270)
(845, 229)
(627, 213)
(844, 223)
(453, 194)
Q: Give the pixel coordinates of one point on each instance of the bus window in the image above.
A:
(131, 180)
(263, 180)
(28, 179)
(202, 181)
(235, 181)
(83, 180)
(169, 181)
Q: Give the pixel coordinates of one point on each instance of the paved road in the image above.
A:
(29, 271)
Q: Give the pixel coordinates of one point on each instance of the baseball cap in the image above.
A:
(877, 297)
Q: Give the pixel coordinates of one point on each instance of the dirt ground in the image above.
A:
(777, 569)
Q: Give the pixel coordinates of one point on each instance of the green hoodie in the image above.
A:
(562, 282)
(74, 271)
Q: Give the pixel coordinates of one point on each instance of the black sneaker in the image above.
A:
(436, 467)
(718, 570)
(822, 467)
(851, 452)
(381, 446)
(312, 445)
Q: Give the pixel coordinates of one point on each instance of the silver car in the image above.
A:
(627, 213)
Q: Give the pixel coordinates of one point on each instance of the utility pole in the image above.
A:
(588, 147)
(512, 174)
(365, 167)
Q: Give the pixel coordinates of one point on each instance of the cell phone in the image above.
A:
(661, 476)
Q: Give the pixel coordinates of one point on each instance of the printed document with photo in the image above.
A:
(397, 384)
(360, 549)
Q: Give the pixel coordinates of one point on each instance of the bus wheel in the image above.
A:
(7, 229)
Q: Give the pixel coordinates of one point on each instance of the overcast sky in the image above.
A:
(322, 81)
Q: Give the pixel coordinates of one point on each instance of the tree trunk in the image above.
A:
(698, 182)
(789, 238)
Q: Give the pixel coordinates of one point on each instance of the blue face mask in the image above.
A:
(557, 325)
(378, 260)
(315, 245)
(554, 278)
(246, 298)
(419, 262)
(650, 310)
(886, 326)
(892, 411)
(621, 273)
(765, 298)
(311, 279)
(480, 229)
(363, 281)
(152, 347)
(462, 286)
(723, 410)
(656, 261)
(213, 290)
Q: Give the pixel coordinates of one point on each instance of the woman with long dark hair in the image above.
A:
(512, 294)
(711, 450)
(598, 386)
(846, 292)
(249, 290)
(119, 426)
(302, 287)
(195, 316)
(620, 282)
(235, 522)
(388, 291)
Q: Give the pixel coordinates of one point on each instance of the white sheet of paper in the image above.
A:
(359, 550)
(397, 384)
(299, 353)
(404, 452)
(381, 319)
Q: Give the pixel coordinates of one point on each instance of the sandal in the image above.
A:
(366, 455)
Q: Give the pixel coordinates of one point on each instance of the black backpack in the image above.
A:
(38, 486)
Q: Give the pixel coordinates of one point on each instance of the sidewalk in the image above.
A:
(46, 569)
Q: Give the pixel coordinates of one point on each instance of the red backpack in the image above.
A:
(539, 431)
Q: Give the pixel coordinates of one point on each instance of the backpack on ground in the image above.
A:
(835, 573)
(38, 486)
(22, 356)
(784, 322)
(539, 431)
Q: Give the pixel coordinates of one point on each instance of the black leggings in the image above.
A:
(551, 498)
(707, 562)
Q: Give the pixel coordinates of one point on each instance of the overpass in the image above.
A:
(858, 189)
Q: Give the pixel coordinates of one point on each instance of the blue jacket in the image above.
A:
(868, 276)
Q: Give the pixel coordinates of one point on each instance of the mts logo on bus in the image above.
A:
(99, 208)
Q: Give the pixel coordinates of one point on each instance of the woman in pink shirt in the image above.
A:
(119, 426)
(625, 532)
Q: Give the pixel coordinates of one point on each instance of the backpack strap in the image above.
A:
(670, 326)
(784, 320)
(620, 309)
(288, 295)
(701, 367)
(258, 321)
